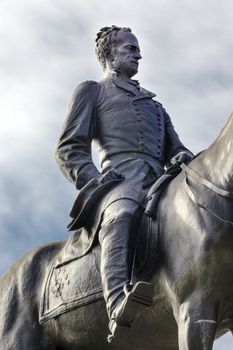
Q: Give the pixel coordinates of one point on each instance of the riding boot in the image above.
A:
(123, 300)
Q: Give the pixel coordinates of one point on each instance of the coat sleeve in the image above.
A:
(172, 140)
(73, 152)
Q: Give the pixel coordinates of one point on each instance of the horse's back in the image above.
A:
(20, 289)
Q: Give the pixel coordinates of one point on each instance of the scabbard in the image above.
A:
(155, 193)
(158, 187)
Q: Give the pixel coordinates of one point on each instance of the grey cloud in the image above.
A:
(48, 47)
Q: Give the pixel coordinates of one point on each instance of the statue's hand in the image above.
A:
(182, 157)
(110, 175)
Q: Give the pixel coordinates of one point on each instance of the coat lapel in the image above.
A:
(139, 94)
(143, 93)
(125, 85)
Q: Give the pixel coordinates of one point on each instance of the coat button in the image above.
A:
(141, 146)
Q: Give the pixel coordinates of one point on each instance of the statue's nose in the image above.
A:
(138, 56)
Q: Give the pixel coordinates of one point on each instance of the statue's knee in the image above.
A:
(118, 219)
(120, 210)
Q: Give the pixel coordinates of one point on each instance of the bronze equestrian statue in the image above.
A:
(192, 286)
(136, 139)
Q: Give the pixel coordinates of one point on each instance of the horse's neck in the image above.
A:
(216, 163)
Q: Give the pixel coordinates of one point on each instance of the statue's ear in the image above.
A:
(109, 53)
(110, 57)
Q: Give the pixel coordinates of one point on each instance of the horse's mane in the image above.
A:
(224, 136)
(216, 162)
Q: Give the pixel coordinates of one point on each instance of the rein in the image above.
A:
(219, 191)
(207, 183)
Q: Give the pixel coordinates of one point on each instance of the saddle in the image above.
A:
(78, 282)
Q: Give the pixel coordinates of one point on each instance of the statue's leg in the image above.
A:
(117, 239)
(197, 322)
(116, 249)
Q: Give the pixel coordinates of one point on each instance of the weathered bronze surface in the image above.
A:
(192, 282)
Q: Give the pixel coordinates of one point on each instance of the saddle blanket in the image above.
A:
(78, 282)
(71, 286)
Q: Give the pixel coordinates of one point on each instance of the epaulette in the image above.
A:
(158, 103)
(91, 81)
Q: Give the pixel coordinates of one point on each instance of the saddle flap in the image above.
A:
(71, 286)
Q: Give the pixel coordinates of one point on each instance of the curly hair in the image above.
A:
(104, 41)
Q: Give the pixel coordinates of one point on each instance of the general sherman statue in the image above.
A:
(136, 140)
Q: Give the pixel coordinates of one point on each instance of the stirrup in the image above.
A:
(137, 300)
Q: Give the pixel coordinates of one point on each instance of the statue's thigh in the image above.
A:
(120, 209)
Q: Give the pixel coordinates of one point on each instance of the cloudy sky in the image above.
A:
(47, 48)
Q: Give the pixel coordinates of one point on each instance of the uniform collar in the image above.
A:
(130, 85)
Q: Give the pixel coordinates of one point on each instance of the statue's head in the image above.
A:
(118, 49)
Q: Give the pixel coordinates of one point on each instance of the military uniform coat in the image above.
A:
(131, 130)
